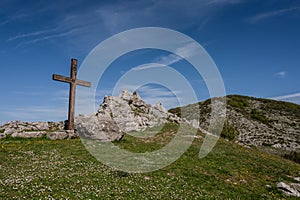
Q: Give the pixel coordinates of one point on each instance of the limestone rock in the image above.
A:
(297, 179)
(52, 130)
(93, 127)
(58, 135)
(259, 122)
(31, 134)
(296, 186)
(288, 190)
(116, 116)
(122, 114)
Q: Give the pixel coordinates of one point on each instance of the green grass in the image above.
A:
(63, 169)
(9, 138)
(146, 141)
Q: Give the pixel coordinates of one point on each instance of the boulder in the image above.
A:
(58, 135)
(287, 189)
(93, 127)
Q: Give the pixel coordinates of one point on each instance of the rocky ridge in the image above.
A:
(51, 130)
(257, 122)
(116, 116)
(122, 114)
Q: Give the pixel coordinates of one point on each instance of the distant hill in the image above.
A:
(267, 124)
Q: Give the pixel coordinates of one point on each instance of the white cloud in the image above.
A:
(31, 34)
(281, 74)
(169, 59)
(153, 94)
(37, 113)
(270, 14)
(67, 25)
(294, 98)
(287, 96)
(12, 18)
(146, 66)
(112, 17)
(186, 52)
(51, 36)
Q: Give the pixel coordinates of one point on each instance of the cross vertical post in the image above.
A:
(72, 94)
(73, 82)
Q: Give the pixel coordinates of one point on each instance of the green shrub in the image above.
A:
(266, 144)
(229, 132)
(176, 111)
(2, 130)
(293, 156)
(238, 102)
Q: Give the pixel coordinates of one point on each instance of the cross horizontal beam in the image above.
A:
(69, 80)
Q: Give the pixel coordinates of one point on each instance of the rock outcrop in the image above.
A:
(51, 130)
(259, 122)
(116, 116)
(292, 189)
(123, 114)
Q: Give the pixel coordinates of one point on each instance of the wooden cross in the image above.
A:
(73, 82)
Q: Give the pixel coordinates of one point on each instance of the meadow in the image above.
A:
(64, 169)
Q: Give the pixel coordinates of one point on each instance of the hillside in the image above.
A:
(63, 169)
(239, 167)
(267, 124)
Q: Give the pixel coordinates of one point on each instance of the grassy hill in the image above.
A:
(63, 169)
(272, 126)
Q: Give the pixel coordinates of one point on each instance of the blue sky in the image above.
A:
(254, 43)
